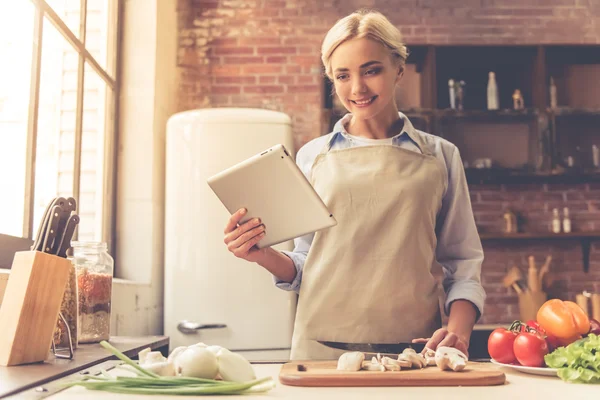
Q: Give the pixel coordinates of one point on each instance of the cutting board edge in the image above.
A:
(289, 376)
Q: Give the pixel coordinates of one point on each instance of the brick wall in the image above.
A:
(265, 53)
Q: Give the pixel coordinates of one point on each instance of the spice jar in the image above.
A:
(94, 268)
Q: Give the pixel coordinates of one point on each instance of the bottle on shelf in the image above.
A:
(492, 92)
(452, 94)
(555, 221)
(553, 102)
(566, 221)
(595, 156)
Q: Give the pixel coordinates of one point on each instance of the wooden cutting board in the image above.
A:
(324, 373)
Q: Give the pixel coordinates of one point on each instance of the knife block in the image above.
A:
(30, 307)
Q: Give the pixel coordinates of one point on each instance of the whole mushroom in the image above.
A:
(449, 358)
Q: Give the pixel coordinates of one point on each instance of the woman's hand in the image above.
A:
(442, 337)
(240, 239)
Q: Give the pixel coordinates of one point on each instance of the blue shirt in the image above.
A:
(459, 249)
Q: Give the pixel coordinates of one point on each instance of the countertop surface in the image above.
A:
(518, 386)
(17, 378)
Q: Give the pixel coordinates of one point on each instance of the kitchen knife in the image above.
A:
(65, 241)
(50, 233)
(387, 348)
(39, 238)
(69, 206)
(38, 245)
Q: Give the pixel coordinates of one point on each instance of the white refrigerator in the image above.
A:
(210, 295)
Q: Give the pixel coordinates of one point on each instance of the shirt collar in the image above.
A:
(408, 129)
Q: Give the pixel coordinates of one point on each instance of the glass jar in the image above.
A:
(69, 310)
(94, 267)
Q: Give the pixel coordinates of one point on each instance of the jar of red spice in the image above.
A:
(94, 267)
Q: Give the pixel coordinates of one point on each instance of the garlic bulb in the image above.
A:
(197, 362)
(234, 367)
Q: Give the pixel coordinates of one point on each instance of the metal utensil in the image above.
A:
(387, 348)
(50, 233)
(65, 240)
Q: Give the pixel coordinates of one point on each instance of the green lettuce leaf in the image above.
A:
(578, 362)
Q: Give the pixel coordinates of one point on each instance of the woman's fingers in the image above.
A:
(243, 250)
(234, 219)
(449, 340)
(236, 244)
(436, 338)
(442, 337)
(240, 230)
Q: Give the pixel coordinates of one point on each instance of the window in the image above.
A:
(58, 92)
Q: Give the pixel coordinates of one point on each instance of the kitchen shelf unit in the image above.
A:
(526, 146)
(585, 239)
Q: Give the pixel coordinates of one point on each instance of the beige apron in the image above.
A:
(368, 279)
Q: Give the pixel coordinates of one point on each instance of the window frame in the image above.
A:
(10, 244)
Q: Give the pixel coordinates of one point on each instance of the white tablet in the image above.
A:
(272, 187)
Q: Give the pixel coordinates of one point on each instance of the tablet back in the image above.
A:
(265, 182)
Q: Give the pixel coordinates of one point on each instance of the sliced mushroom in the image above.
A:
(429, 357)
(449, 358)
(374, 367)
(416, 360)
(351, 361)
(386, 361)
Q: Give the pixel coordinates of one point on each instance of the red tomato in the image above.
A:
(530, 349)
(500, 345)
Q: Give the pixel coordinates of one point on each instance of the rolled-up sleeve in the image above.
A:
(459, 249)
(298, 256)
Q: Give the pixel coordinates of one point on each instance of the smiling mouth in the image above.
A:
(364, 102)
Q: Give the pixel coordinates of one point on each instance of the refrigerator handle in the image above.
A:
(189, 327)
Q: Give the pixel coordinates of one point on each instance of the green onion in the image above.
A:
(147, 382)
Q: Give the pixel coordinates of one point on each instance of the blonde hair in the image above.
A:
(363, 24)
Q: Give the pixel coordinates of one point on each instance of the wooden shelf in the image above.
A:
(465, 114)
(569, 111)
(585, 238)
(501, 176)
(539, 235)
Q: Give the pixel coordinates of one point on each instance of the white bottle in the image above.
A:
(555, 221)
(552, 93)
(566, 221)
(492, 92)
(595, 156)
(452, 94)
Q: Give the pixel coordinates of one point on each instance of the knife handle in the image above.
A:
(72, 204)
(39, 243)
(60, 230)
(65, 241)
(51, 229)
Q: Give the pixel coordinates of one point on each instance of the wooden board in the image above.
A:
(324, 373)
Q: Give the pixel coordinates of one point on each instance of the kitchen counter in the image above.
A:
(518, 386)
(16, 379)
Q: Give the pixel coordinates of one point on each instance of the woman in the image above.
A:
(403, 209)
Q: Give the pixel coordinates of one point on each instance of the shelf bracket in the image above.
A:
(585, 252)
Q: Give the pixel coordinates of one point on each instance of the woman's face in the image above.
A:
(364, 77)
